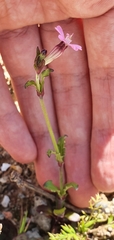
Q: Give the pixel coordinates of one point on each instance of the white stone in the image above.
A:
(74, 217)
(5, 201)
(5, 166)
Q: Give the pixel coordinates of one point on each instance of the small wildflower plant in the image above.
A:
(42, 71)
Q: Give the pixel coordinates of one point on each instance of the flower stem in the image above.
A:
(52, 136)
(61, 177)
(49, 125)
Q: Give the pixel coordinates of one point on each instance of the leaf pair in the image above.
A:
(53, 188)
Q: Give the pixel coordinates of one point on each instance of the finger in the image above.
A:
(14, 134)
(25, 13)
(99, 34)
(18, 50)
(72, 98)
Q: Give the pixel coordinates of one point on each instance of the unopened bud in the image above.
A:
(39, 62)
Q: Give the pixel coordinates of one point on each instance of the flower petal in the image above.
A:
(75, 47)
(61, 33)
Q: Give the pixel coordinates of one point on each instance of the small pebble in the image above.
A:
(107, 210)
(33, 234)
(1, 216)
(112, 209)
(5, 166)
(101, 204)
(108, 234)
(74, 217)
(109, 229)
(41, 219)
(43, 222)
(5, 201)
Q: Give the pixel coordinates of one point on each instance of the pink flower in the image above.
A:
(68, 39)
(60, 48)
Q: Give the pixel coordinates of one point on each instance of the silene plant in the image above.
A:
(42, 71)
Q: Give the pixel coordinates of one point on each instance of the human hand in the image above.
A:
(83, 106)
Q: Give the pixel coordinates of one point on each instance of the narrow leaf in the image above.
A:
(49, 152)
(23, 223)
(70, 185)
(90, 223)
(46, 72)
(30, 83)
(61, 145)
(50, 186)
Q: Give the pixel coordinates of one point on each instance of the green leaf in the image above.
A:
(59, 212)
(70, 185)
(110, 219)
(37, 51)
(67, 233)
(90, 223)
(23, 223)
(46, 72)
(31, 83)
(50, 152)
(61, 145)
(50, 186)
(68, 229)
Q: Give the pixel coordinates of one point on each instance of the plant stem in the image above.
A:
(49, 125)
(37, 82)
(61, 177)
(52, 136)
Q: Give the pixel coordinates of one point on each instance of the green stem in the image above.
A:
(61, 177)
(37, 82)
(52, 136)
(49, 125)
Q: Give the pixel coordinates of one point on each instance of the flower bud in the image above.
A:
(39, 62)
